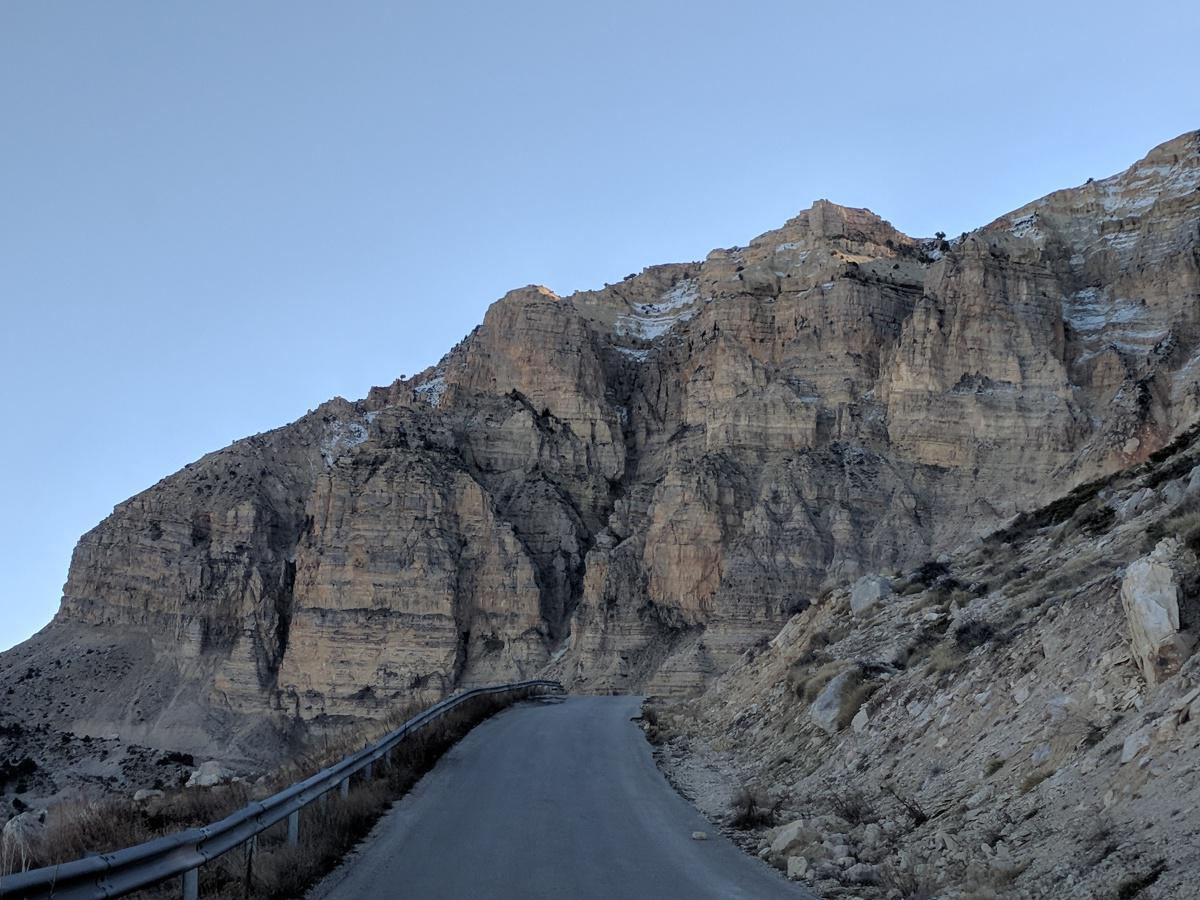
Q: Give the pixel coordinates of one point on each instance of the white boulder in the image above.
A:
(210, 773)
(791, 836)
(868, 592)
(827, 708)
(19, 838)
(1150, 597)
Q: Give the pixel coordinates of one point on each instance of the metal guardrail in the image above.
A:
(123, 871)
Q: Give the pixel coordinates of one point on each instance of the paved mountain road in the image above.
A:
(557, 798)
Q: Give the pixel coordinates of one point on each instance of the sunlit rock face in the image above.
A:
(626, 487)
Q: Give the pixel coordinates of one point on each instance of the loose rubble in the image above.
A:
(1028, 736)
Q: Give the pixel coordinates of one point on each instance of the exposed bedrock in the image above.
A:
(626, 487)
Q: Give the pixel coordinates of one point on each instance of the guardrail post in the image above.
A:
(294, 828)
(369, 770)
(191, 884)
(344, 787)
(251, 851)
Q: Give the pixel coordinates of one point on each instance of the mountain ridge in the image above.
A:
(625, 487)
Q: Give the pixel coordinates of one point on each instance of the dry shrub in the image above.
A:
(910, 805)
(819, 639)
(327, 829)
(753, 807)
(909, 885)
(75, 830)
(1134, 885)
(852, 806)
(1185, 526)
(325, 836)
(659, 725)
(1033, 779)
(854, 698)
(808, 684)
(984, 882)
(1053, 513)
(946, 658)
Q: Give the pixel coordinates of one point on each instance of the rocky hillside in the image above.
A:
(1018, 719)
(627, 487)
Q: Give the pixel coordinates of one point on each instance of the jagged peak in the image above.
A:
(826, 220)
(1170, 170)
(1186, 144)
(531, 292)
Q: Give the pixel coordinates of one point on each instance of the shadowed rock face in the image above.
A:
(625, 487)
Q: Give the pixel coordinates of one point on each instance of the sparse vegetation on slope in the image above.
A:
(1016, 744)
(272, 870)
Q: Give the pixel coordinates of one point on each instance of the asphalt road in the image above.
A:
(551, 798)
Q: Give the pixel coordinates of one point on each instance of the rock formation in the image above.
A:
(1150, 594)
(988, 731)
(626, 487)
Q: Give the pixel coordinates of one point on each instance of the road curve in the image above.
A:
(555, 799)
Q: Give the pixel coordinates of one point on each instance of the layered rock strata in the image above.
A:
(626, 487)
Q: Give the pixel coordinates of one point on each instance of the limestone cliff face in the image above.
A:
(626, 486)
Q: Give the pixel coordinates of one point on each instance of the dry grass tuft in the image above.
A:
(907, 885)
(272, 870)
(753, 807)
(852, 806)
(854, 698)
(946, 658)
(1033, 779)
(807, 683)
(910, 805)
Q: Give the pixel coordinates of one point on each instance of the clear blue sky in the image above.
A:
(214, 216)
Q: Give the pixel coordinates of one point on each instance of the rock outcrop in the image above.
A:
(1150, 594)
(1009, 743)
(868, 592)
(626, 487)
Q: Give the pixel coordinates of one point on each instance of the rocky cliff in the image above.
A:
(1018, 719)
(626, 487)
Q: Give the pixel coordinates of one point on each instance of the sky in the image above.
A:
(215, 216)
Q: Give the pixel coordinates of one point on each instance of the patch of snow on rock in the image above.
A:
(1131, 193)
(1025, 227)
(652, 320)
(639, 355)
(1099, 320)
(340, 436)
(432, 390)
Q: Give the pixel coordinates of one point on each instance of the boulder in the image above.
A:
(797, 867)
(1193, 482)
(791, 836)
(146, 794)
(826, 710)
(1135, 744)
(19, 838)
(862, 873)
(1150, 597)
(867, 592)
(1138, 501)
(210, 773)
